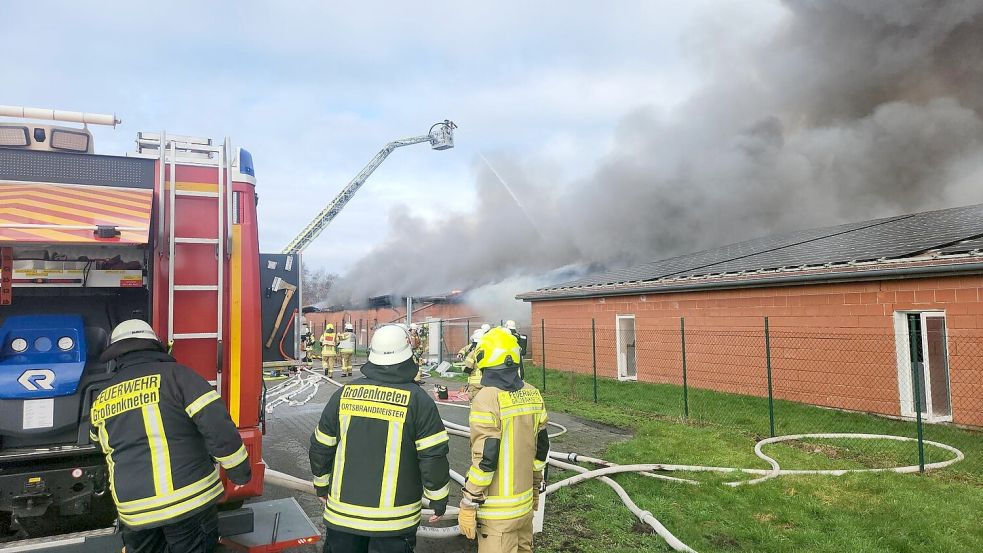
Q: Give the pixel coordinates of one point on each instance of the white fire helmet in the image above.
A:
(390, 345)
(485, 328)
(476, 335)
(510, 324)
(133, 328)
(349, 327)
(413, 326)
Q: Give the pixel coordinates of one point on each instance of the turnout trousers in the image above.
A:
(505, 536)
(343, 542)
(195, 534)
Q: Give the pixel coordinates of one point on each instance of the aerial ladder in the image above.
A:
(281, 272)
(440, 137)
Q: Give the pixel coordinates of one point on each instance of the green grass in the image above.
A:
(938, 511)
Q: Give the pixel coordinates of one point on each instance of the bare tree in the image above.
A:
(316, 284)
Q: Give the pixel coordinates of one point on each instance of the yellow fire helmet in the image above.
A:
(329, 328)
(498, 348)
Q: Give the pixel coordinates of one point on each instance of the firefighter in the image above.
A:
(509, 449)
(523, 344)
(162, 428)
(416, 341)
(328, 342)
(346, 349)
(380, 445)
(473, 372)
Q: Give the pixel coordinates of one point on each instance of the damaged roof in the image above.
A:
(947, 239)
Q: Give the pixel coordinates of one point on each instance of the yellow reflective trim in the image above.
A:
(160, 458)
(181, 494)
(483, 417)
(104, 442)
(394, 446)
(538, 465)
(371, 525)
(322, 481)
(495, 514)
(230, 461)
(93, 437)
(339, 458)
(430, 441)
(200, 403)
(520, 411)
(502, 501)
(349, 509)
(324, 439)
(479, 476)
(174, 510)
(437, 495)
(505, 457)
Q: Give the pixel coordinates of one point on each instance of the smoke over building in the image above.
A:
(849, 110)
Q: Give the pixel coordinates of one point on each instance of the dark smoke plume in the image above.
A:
(851, 110)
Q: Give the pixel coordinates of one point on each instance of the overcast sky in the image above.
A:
(314, 91)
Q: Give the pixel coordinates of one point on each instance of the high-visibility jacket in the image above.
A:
(346, 342)
(474, 373)
(328, 343)
(509, 449)
(162, 427)
(379, 447)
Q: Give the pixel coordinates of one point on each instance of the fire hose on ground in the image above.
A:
(565, 461)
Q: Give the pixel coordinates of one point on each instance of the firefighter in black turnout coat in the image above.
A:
(380, 445)
(162, 428)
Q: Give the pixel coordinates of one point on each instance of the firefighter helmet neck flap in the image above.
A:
(498, 355)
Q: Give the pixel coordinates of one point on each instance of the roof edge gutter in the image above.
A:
(815, 278)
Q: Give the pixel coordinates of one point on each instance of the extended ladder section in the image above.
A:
(182, 296)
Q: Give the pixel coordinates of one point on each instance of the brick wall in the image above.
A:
(832, 344)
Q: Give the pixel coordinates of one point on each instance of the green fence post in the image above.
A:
(682, 335)
(913, 341)
(542, 336)
(593, 349)
(771, 397)
(440, 346)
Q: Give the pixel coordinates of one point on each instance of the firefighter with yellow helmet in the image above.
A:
(509, 449)
(346, 349)
(328, 353)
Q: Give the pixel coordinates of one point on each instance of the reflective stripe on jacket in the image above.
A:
(160, 426)
(346, 342)
(378, 448)
(509, 448)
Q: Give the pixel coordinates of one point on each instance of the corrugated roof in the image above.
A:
(948, 231)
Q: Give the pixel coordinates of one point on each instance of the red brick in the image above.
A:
(967, 294)
(945, 295)
(886, 297)
(924, 296)
(904, 296)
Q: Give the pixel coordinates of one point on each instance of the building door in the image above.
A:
(626, 347)
(928, 361)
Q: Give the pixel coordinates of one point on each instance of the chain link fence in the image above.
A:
(764, 381)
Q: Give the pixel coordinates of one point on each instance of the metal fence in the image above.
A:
(765, 381)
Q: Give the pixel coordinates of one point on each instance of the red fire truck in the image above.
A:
(167, 234)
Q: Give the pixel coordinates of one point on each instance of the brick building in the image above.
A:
(458, 317)
(848, 307)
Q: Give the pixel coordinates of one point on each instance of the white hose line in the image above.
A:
(644, 516)
(776, 470)
(576, 458)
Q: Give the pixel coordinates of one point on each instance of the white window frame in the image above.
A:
(623, 359)
(905, 383)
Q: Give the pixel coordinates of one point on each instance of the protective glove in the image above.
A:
(467, 519)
